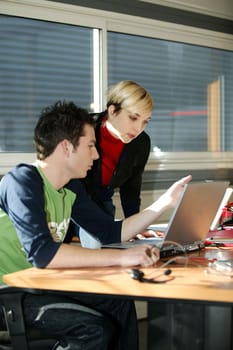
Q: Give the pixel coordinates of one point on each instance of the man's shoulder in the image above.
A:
(22, 181)
(24, 169)
(21, 173)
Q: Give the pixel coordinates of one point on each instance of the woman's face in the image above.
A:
(126, 125)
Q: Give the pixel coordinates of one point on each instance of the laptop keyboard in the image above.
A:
(173, 250)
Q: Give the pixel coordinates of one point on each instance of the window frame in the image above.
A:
(128, 24)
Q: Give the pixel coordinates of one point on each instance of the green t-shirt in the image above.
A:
(58, 207)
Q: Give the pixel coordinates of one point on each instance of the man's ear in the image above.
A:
(66, 147)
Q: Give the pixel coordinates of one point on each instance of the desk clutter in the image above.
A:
(222, 237)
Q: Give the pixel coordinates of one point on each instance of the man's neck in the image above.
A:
(50, 169)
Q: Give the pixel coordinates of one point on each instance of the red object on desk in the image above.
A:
(222, 237)
(227, 214)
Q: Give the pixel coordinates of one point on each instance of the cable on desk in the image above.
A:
(180, 250)
(162, 277)
(139, 275)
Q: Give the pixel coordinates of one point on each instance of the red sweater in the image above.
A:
(110, 150)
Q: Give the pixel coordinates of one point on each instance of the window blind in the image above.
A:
(178, 77)
(40, 62)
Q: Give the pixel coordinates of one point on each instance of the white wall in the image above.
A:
(217, 8)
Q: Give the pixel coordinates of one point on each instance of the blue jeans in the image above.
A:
(83, 323)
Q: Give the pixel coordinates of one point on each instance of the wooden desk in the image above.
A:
(189, 283)
(191, 286)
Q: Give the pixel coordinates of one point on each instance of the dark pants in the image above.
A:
(99, 324)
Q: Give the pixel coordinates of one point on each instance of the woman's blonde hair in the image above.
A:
(130, 96)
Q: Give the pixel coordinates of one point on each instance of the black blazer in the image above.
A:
(127, 176)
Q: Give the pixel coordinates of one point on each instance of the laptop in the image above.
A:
(226, 198)
(190, 221)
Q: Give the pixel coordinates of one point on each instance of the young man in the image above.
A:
(37, 202)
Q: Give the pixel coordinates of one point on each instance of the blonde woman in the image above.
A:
(123, 147)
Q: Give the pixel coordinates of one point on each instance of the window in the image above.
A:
(40, 62)
(181, 78)
(52, 51)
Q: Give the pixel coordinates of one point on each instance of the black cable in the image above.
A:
(138, 275)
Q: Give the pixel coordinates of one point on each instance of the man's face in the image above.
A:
(82, 157)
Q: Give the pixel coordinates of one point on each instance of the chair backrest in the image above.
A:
(11, 302)
(25, 338)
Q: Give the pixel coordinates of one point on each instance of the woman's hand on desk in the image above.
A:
(144, 255)
(149, 234)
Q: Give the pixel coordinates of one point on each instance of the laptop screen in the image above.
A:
(194, 213)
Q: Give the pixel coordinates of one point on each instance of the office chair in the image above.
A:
(15, 336)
